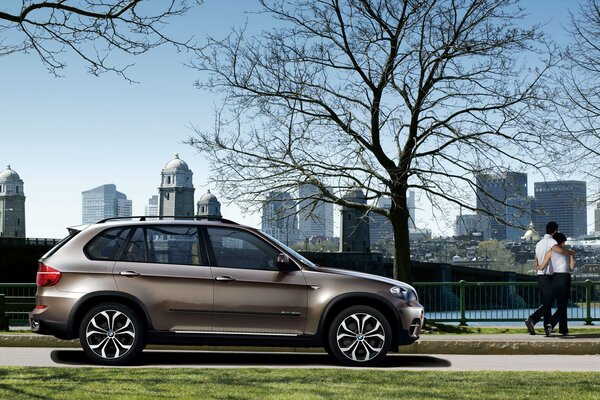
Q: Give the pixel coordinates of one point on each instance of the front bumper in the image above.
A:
(412, 319)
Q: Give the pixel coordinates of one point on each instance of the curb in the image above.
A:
(446, 344)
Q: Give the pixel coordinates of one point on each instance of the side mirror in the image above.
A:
(284, 263)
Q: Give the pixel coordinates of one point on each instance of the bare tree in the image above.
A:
(90, 29)
(580, 79)
(380, 95)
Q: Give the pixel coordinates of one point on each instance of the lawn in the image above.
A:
(282, 384)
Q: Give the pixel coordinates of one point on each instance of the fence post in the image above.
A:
(588, 302)
(3, 318)
(461, 294)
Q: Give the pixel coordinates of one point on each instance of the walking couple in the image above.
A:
(553, 264)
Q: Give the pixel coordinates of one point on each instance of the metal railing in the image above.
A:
(461, 302)
(465, 302)
(19, 299)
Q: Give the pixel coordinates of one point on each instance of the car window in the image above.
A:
(107, 244)
(236, 248)
(172, 245)
(135, 250)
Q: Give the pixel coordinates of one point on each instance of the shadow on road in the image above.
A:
(246, 360)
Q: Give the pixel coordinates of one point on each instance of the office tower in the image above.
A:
(176, 191)
(354, 224)
(152, 208)
(380, 227)
(597, 219)
(209, 206)
(104, 202)
(563, 202)
(315, 218)
(475, 226)
(492, 193)
(518, 217)
(279, 217)
(12, 204)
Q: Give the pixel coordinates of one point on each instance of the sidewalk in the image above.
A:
(500, 344)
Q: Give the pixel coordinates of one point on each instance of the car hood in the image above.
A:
(364, 275)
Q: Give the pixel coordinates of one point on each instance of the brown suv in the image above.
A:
(119, 285)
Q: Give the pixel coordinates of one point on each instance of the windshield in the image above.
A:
(292, 252)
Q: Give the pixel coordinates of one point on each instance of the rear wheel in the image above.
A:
(111, 334)
(359, 336)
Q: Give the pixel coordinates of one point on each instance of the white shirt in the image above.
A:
(541, 248)
(560, 263)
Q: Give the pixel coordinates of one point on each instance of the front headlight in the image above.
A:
(404, 293)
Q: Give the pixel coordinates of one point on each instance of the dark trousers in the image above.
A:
(561, 284)
(547, 296)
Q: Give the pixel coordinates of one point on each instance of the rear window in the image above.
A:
(107, 244)
(65, 240)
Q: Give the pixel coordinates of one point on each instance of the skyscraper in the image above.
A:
(564, 202)
(380, 227)
(315, 218)
(12, 204)
(279, 217)
(492, 194)
(152, 208)
(104, 202)
(354, 224)
(176, 191)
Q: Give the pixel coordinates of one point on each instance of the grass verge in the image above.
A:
(283, 384)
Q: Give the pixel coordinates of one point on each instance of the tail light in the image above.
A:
(47, 276)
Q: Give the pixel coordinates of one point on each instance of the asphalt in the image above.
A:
(484, 344)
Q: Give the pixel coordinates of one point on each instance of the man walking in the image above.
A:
(544, 277)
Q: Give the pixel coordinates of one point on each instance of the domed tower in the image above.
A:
(176, 191)
(12, 204)
(209, 206)
(354, 225)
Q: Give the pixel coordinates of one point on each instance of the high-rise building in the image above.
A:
(209, 206)
(380, 227)
(152, 208)
(104, 202)
(12, 204)
(476, 226)
(563, 202)
(354, 225)
(279, 217)
(518, 217)
(597, 218)
(315, 217)
(492, 194)
(176, 191)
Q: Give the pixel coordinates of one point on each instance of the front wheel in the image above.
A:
(111, 334)
(359, 336)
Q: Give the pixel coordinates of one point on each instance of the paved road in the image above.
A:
(48, 357)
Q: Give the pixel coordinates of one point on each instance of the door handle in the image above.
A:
(129, 273)
(225, 278)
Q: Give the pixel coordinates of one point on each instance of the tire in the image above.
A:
(359, 336)
(112, 334)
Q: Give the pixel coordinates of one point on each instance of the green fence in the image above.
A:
(460, 302)
(19, 299)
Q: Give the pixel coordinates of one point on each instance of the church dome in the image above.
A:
(208, 197)
(8, 175)
(177, 164)
(531, 235)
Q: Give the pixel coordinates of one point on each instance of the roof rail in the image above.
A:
(163, 217)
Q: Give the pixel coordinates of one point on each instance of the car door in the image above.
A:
(164, 267)
(251, 295)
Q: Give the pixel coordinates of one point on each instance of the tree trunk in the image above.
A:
(399, 217)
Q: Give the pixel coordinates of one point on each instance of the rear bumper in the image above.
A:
(40, 326)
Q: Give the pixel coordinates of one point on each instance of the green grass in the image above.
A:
(283, 384)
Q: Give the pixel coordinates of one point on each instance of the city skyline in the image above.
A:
(90, 130)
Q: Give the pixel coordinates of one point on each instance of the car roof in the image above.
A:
(158, 220)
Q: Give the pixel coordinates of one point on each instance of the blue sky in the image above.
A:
(70, 134)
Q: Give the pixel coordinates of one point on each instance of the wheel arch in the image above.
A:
(90, 300)
(341, 302)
